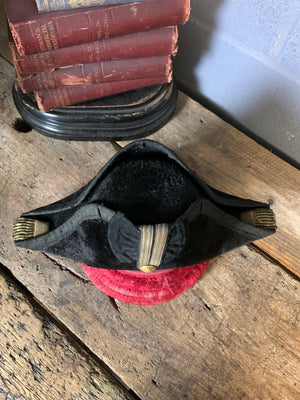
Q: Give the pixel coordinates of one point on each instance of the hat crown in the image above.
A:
(144, 207)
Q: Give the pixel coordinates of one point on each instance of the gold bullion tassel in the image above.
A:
(261, 217)
(152, 245)
(28, 228)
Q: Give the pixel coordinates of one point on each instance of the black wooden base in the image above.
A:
(128, 115)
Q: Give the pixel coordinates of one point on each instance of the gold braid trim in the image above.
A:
(152, 245)
(261, 217)
(27, 228)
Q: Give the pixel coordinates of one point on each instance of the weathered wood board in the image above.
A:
(4, 49)
(39, 361)
(231, 162)
(235, 334)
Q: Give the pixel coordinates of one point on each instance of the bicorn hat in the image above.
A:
(145, 227)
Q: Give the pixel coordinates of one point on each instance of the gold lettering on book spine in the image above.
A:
(106, 26)
(61, 97)
(46, 37)
(52, 34)
(39, 39)
(97, 51)
(99, 29)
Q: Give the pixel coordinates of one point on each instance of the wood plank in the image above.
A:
(237, 326)
(4, 49)
(234, 335)
(232, 162)
(39, 360)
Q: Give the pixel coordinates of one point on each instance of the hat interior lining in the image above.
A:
(148, 189)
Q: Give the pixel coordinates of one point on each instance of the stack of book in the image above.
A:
(67, 52)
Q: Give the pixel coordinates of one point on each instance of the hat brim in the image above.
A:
(136, 287)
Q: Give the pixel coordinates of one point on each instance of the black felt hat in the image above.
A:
(144, 211)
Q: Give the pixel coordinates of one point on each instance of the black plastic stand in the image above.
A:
(128, 115)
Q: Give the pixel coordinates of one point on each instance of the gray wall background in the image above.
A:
(241, 58)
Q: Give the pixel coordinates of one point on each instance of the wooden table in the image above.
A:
(234, 335)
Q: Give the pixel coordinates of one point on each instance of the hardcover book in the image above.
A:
(68, 95)
(35, 32)
(55, 5)
(98, 73)
(154, 42)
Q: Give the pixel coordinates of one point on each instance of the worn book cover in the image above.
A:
(59, 97)
(154, 42)
(97, 73)
(35, 32)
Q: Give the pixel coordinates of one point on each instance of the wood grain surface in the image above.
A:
(234, 335)
(39, 361)
(4, 49)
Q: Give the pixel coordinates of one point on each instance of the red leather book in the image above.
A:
(68, 95)
(35, 32)
(98, 73)
(155, 42)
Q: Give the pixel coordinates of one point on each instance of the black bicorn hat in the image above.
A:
(144, 210)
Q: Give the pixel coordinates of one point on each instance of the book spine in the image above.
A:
(97, 73)
(62, 28)
(55, 5)
(159, 42)
(59, 97)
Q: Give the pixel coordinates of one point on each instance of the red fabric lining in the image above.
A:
(136, 287)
